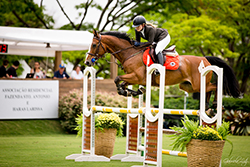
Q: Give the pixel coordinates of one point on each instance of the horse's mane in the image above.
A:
(117, 34)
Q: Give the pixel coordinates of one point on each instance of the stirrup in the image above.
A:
(156, 73)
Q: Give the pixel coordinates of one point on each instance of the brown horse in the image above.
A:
(187, 75)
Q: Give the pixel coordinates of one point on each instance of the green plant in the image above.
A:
(102, 121)
(192, 130)
(70, 106)
(239, 122)
(184, 134)
(237, 104)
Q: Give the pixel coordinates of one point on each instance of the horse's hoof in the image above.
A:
(129, 93)
(210, 112)
(122, 92)
(142, 90)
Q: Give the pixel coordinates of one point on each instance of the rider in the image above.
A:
(151, 34)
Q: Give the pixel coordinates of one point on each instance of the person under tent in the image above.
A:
(61, 73)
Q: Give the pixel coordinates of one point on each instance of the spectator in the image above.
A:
(77, 73)
(61, 73)
(12, 70)
(3, 73)
(37, 71)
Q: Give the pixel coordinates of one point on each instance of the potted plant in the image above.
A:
(204, 144)
(107, 126)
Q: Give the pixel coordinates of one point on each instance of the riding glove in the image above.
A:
(137, 43)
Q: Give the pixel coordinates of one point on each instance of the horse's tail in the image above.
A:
(230, 83)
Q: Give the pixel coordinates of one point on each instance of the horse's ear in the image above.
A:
(95, 33)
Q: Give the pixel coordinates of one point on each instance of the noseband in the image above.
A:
(97, 50)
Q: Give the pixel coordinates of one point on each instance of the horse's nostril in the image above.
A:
(87, 63)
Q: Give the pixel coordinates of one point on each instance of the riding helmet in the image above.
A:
(138, 20)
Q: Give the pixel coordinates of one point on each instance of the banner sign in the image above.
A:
(22, 99)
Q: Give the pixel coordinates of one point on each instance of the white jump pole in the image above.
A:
(153, 123)
(203, 72)
(88, 126)
(135, 154)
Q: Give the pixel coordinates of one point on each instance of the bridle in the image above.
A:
(97, 50)
(96, 55)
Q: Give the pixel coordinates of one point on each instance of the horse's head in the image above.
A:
(96, 50)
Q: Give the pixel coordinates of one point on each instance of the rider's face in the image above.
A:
(139, 28)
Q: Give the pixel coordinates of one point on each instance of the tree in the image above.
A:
(211, 28)
(23, 13)
(115, 13)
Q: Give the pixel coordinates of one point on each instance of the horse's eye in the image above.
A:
(94, 45)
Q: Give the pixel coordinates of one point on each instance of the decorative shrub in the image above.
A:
(237, 104)
(239, 122)
(70, 106)
(192, 130)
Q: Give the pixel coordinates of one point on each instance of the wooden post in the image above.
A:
(113, 68)
(58, 60)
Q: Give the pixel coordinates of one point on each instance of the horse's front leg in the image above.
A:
(120, 89)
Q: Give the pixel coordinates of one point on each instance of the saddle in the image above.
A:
(170, 57)
(166, 52)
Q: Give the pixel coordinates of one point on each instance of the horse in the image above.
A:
(187, 75)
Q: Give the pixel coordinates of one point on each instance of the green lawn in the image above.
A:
(50, 149)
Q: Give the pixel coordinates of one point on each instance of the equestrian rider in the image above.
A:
(152, 35)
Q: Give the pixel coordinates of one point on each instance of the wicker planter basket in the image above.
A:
(105, 142)
(204, 153)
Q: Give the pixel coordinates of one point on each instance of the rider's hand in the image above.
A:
(137, 43)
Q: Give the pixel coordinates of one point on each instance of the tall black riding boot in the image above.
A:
(160, 60)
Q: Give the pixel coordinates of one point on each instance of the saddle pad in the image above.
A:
(171, 63)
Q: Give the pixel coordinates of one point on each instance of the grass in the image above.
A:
(49, 149)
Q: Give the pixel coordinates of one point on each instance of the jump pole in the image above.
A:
(153, 123)
(88, 131)
(203, 72)
(204, 117)
(133, 133)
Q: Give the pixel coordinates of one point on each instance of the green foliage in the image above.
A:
(192, 130)
(70, 106)
(26, 13)
(237, 104)
(223, 130)
(209, 28)
(239, 121)
(184, 134)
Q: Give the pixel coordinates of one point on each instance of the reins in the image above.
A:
(103, 56)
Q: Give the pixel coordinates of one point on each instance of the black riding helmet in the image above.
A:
(138, 20)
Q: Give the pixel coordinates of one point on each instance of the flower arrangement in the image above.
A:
(191, 131)
(102, 121)
(70, 106)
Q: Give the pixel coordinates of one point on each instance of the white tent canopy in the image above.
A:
(33, 41)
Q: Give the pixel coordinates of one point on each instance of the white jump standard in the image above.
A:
(88, 131)
(153, 120)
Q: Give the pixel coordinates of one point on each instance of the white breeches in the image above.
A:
(161, 45)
